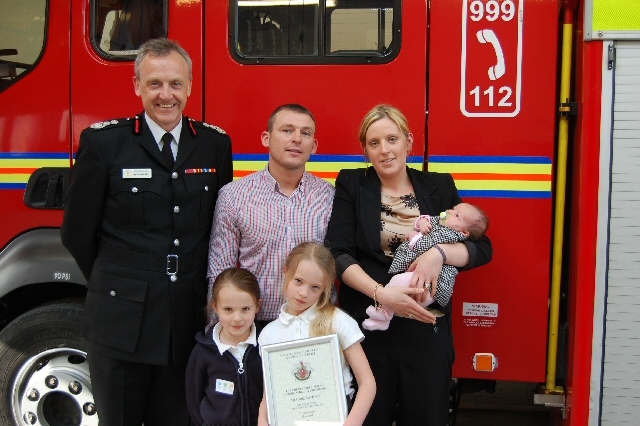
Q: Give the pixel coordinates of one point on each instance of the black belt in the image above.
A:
(170, 264)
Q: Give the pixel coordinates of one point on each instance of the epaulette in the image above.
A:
(109, 123)
(209, 126)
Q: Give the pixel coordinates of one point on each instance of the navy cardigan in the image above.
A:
(207, 407)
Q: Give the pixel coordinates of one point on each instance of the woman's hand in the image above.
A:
(401, 302)
(397, 299)
(426, 270)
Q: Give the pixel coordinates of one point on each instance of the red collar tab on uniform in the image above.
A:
(192, 129)
(137, 125)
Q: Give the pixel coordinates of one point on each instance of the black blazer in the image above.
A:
(120, 230)
(354, 228)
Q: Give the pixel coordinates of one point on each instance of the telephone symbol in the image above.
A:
(488, 36)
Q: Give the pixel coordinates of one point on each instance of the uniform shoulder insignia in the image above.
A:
(103, 124)
(110, 124)
(216, 128)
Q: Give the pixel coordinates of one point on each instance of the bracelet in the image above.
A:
(444, 256)
(376, 304)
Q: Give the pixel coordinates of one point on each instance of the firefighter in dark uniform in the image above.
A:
(138, 215)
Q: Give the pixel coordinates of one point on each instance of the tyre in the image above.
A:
(44, 372)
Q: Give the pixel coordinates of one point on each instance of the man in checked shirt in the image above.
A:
(261, 217)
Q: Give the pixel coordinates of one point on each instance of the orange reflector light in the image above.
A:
(485, 362)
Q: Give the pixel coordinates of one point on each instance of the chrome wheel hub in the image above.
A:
(53, 388)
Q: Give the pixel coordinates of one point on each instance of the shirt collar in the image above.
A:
(222, 347)
(307, 316)
(158, 132)
(268, 177)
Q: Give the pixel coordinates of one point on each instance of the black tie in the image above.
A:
(166, 150)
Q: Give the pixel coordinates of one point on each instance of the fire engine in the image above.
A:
(532, 105)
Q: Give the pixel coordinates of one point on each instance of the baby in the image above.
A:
(464, 221)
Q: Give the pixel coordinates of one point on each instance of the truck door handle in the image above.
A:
(46, 188)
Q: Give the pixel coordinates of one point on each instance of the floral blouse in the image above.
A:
(397, 219)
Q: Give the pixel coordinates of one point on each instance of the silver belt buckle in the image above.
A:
(172, 264)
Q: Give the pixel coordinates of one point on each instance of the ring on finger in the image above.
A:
(410, 316)
(427, 287)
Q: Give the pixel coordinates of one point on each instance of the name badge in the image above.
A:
(136, 173)
(224, 386)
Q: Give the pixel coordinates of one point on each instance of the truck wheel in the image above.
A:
(44, 372)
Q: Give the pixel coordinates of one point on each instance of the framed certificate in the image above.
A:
(303, 382)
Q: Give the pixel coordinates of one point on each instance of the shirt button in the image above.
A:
(134, 189)
(112, 293)
(174, 175)
(176, 242)
(206, 188)
(176, 209)
(174, 278)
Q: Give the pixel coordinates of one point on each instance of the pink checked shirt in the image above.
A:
(255, 226)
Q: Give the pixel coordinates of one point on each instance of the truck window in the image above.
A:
(315, 31)
(22, 29)
(119, 27)
(360, 30)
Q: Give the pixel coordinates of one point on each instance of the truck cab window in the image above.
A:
(315, 31)
(280, 28)
(22, 30)
(360, 30)
(120, 26)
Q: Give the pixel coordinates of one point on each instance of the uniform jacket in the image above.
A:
(120, 227)
(354, 228)
(208, 407)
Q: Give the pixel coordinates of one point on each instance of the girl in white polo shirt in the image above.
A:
(309, 273)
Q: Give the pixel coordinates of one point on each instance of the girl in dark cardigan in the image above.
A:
(224, 374)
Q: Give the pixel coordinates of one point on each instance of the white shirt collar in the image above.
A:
(158, 132)
(222, 347)
(307, 316)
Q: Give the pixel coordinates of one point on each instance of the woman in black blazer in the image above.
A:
(373, 210)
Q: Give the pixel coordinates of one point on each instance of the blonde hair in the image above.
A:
(322, 324)
(379, 112)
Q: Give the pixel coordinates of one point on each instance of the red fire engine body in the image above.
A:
(479, 81)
